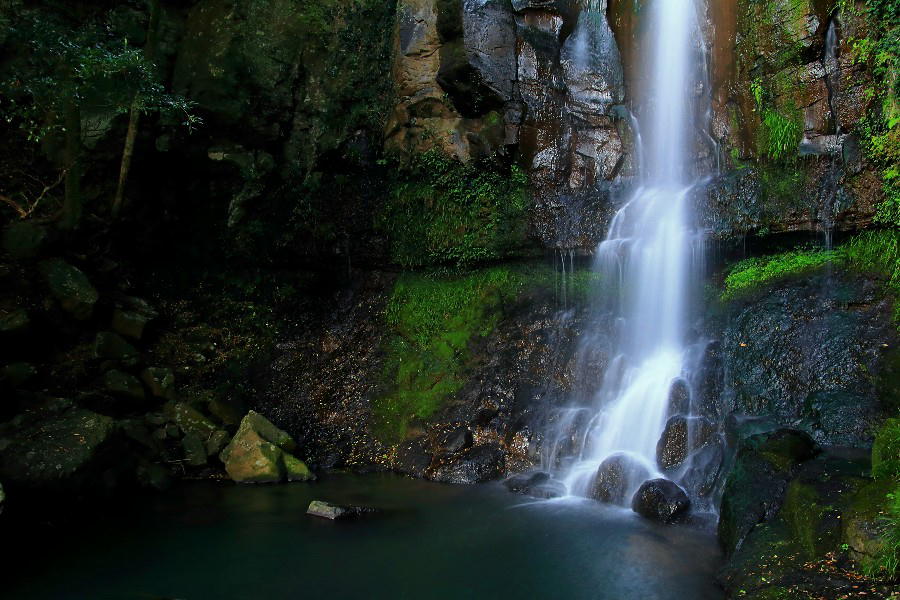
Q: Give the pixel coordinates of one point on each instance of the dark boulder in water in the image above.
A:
(614, 478)
(478, 464)
(537, 485)
(660, 500)
(681, 436)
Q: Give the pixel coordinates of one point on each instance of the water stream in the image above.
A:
(648, 257)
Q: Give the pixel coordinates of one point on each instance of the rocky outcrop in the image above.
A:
(815, 354)
(788, 93)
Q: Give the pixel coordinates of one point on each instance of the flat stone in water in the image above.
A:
(336, 512)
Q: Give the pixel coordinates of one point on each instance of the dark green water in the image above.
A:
(222, 542)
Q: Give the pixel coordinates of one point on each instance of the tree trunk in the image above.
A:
(134, 117)
(71, 214)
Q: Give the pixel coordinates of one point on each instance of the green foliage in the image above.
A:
(876, 251)
(751, 273)
(886, 451)
(886, 564)
(442, 211)
(86, 67)
(880, 129)
(780, 134)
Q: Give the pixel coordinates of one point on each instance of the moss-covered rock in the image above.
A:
(59, 449)
(189, 419)
(14, 322)
(160, 381)
(260, 453)
(119, 383)
(756, 484)
(112, 346)
(70, 287)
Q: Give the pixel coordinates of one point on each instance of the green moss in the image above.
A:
(442, 211)
(751, 273)
(886, 451)
(886, 564)
(876, 251)
(433, 320)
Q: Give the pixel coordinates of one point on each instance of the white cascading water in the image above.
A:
(648, 253)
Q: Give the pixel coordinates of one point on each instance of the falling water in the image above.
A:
(648, 256)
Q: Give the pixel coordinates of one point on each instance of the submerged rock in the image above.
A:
(615, 476)
(259, 453)
(536, 485)
(660, 500)
(337, 512)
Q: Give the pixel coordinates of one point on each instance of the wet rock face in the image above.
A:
(788, 65)
(545, 77)
(615, 477)
(661, 500)
(813, 352)
(480, 464)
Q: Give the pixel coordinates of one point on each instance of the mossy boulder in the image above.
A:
(194, 450)
(119, 383)
(112, 346)
(260, 453)
(160, 381)
(864, 523)
(14, 322)
(756, 484)
(59, 449)
(71, 288)
(189, 419)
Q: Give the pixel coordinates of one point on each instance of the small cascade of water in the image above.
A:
(648, 258)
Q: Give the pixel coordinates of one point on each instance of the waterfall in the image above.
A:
(648, 257)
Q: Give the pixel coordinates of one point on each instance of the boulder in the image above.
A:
(480, 463)
(755, 486)
(521, 483)
(679, 398)
(414, 457)
(616, 476)
(119, 383)
(251, 459)
(160, 382)
(296, 469)
(189, 419)
(194, 450)
(337, 512)
(59, 449)
(455, 440)
(70, 287)
(14, 323)
(681, 436)
(112, 346)
(24, 239)
(259, 453)
(216, 441)
(131, 316)
(660, 500)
